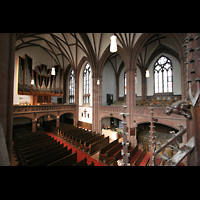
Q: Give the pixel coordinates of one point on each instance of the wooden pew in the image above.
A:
(98, 145)
(51, 153)
(102, 153)
(112, 152)
(27, 147)
(81, 163)
(41, 151)
(77, 138)
(91, 141)
(140, 158)
(118, 155)
(82, 141)
(65, 161)
(53, 159)
(37, 147)
(92, 164)
(82, 138)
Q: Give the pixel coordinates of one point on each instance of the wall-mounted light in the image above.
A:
(113, 44)
(147, 73)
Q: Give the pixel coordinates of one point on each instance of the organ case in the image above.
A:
(44, 83)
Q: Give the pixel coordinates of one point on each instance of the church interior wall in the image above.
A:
(108, 82)
(176, 75)
(121, 83)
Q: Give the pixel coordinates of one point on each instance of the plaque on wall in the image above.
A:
(132, 131)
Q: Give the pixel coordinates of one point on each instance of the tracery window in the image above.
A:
(163, 82)
(86, 83)
(72, 87)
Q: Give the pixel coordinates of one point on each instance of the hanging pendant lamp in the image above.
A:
(113, 44)
(32, 81)
(147, 73)
(53, 72)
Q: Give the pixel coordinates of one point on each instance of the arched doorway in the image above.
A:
(67, 118)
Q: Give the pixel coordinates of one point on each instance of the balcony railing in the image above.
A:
(141, 111)
(18, 109)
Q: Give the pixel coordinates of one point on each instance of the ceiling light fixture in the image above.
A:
(113, 44)
(53, 72)
(147, 73)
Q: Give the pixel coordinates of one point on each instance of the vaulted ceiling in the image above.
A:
(67, 48)
(155, 45)
(70, 48)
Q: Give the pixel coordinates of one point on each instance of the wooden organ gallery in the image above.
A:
(44, 84)
(115, 99)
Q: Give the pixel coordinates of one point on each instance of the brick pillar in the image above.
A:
(7, 56)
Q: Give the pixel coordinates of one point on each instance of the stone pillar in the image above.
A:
(96, 127)
(131, 99)
(7, 56)
(57, 121)
(34, 125)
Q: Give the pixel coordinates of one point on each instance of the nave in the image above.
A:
(51, 149)
(80, 155)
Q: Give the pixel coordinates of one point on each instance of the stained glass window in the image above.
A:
(71, 86)
(163, 82)
(86, 84)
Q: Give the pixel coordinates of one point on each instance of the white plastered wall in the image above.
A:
(176, 75)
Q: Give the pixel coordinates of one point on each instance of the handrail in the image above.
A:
(42, 108)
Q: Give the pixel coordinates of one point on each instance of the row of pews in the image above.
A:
(137, 157)
(86, 140)
(39, 149)
(111, 153)
(91, 142)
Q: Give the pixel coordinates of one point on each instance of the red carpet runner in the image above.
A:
(80, 155)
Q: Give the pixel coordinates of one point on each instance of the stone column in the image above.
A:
(96, 126)
(34, 124)
(131, 99)
(7, 56)
(57, 121)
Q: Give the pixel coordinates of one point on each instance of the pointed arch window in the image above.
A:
(163, 82)
(72, 87)
(86, 83)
